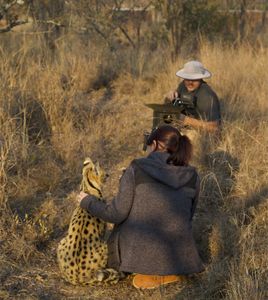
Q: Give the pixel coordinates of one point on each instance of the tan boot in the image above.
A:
(141, 281)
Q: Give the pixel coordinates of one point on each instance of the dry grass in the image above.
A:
(53, 113)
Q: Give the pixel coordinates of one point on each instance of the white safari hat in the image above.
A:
(193, 70)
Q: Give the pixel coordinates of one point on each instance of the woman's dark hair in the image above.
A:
(179, 146)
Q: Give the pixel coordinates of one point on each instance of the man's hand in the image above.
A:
(81, 196)
(171, 95)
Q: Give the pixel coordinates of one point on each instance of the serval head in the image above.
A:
(93, 177)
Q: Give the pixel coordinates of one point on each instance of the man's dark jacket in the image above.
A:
(205, 100)
(152, 212)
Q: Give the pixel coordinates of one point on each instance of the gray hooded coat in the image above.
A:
(152, 212)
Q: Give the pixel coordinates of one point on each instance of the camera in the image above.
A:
(185, 102)
(169, 113)
(162, 114)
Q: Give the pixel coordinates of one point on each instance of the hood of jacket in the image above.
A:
(155, 166)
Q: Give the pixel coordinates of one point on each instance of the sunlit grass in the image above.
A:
(93, 106)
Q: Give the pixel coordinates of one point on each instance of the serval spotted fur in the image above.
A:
(82, 254)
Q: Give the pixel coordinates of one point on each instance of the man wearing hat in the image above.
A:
(205, 111)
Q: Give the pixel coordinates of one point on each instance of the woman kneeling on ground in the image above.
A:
(153, 212)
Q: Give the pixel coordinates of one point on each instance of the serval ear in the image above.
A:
(88, 161)
(97, 168)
